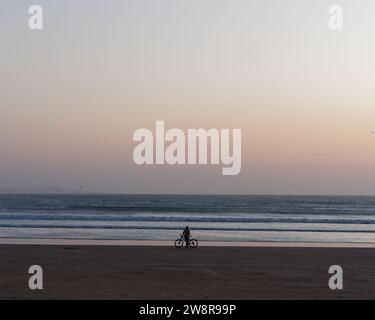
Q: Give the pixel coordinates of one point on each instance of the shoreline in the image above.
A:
(162, 243)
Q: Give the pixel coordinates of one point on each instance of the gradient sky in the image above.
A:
(72, 95)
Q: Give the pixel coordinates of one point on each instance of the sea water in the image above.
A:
(214, 218)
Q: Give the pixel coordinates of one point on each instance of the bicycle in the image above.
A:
(179, 243)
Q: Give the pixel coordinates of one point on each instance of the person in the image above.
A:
(186, 235)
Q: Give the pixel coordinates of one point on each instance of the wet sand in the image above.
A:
(152, 272)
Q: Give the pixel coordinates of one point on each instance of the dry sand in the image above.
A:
(146, 272)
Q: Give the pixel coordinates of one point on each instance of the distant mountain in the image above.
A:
(52, 190)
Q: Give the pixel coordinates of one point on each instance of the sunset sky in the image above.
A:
(73, 94)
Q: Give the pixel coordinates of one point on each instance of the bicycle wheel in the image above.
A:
(179, 243)
(193, 243)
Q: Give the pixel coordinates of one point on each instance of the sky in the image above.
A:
(73, 94)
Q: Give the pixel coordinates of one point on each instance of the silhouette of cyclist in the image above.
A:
(186, 235)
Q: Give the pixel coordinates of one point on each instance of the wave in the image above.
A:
(297, 205)
(108, 227)
(183, 218)
(213, 217)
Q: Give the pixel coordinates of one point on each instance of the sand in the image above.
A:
(153, 272)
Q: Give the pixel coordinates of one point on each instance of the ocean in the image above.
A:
(345, 219)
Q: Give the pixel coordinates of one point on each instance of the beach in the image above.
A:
(133, 272)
